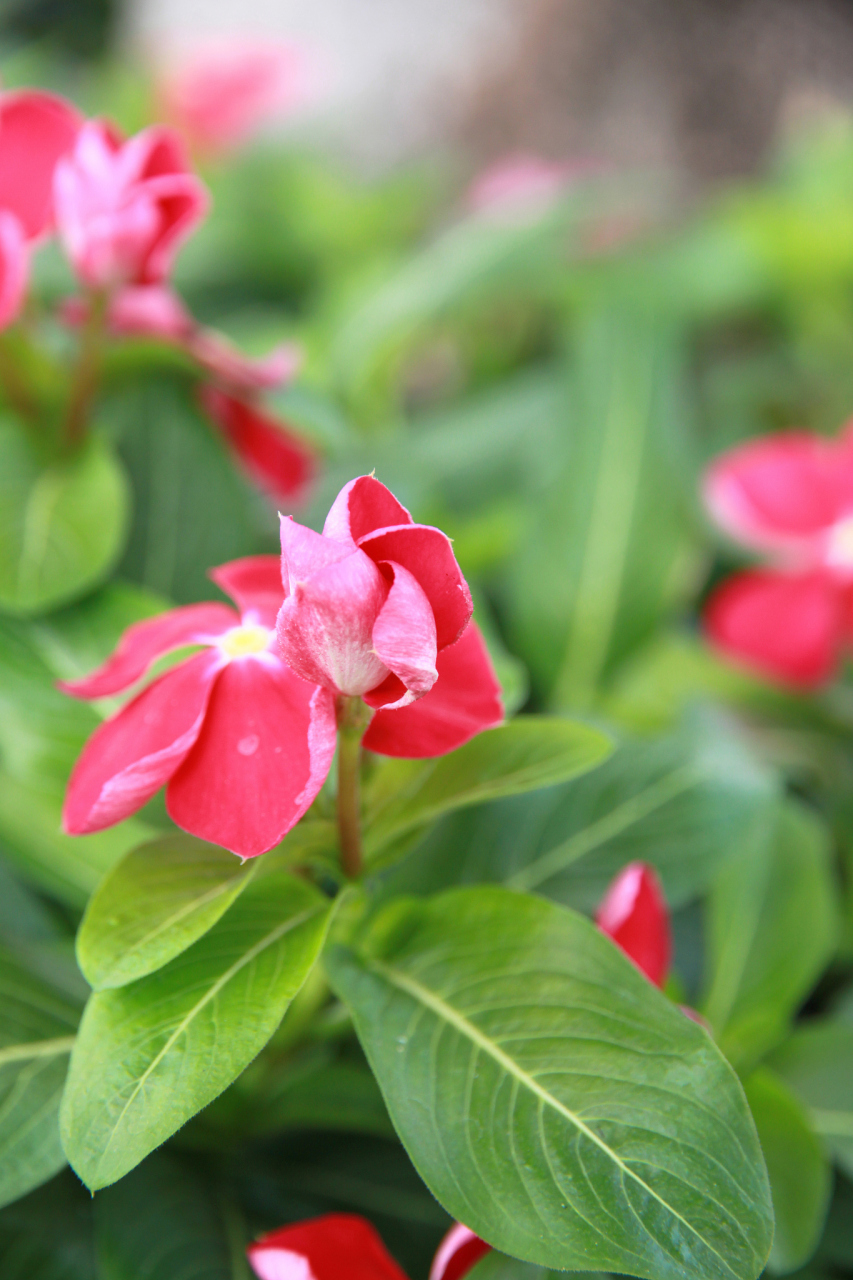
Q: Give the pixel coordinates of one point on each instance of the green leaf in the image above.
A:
(48, 1236)
(608, 550)
(69, 867)
(523, 755)
(817, 1062)
(550, 1097)
(800, 1180)
(192, 507)
(36, 1036)
(153, 904)
(778, 889)
(62, 527)
(681, 803)
(152, 1054)
(163, 1221)
(498, 1266)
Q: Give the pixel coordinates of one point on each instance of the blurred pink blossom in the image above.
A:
(522, 182)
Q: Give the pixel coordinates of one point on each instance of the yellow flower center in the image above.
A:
(840, 551)
(240, 642)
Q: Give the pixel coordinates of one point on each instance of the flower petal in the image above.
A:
(130, 756)
(363, 506)
(36, 129)
(146, 641)
(778, 492)
(465, 699)
(254, 584)
(14, 267)
(262, 755)
(244, 373)
(276, 460)
(304, 552)
(427, 553)
(182, 202)
(634, 914)
(325, 626)
(404, 635)
(786, 627)
(458, 1252)
(327, 1248)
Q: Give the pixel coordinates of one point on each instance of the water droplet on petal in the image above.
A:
(248, 746)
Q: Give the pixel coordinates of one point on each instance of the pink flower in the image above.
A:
(372, 602)
(278, 461)
(124, 207)
(523, 184)
(221, 94)
(343, 1244)
(790, 496)
(242, 743)
(36, 129)
(633, 913)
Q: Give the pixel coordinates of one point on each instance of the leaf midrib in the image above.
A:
(605, 828)
(36, 1049)
(267, 941)
(458, 1020)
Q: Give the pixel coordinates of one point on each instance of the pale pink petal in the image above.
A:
(458, 1252)
(786, 627)
(130, 756)
(150, 310)
(14, 268)
(363, 506)
(304, 552)
(634, 914)
(254, 584)
(240, 372)
(780, 492)
(427, 553)
(464, 700)
(262, 755)
(325, 626)
(36, 129)
(404, 636)
(144, 642)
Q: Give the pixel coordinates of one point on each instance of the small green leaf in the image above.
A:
(817, 1062)
(36, 1036)
(800, 1180)
(152, 1054)
(62, 527)
(777, 889)
(550, 1097)
(523, 755)
(154, 904)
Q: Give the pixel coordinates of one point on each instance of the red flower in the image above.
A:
(790, 496)
(242, 743)
(36, 129)
(345, 1245)
(278, 461)
(372, 605)
(242, 740)
(633, 913)
(124, 207)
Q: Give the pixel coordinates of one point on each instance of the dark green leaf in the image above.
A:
(37, 1027)
(817, 1062)
(155, 903)
(48, 1236)
(800, 1180)
(152, 1054)
(62, 527)
(550, 1097)
(777, 889)
(523, 755)
(681, 803)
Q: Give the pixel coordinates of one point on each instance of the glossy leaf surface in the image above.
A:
(617, 1136)
(152, 1054)
(153, 904)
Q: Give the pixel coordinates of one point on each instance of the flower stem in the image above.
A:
(353, 716)
(85, 382)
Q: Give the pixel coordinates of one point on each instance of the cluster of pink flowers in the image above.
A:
(122, 208)
(789, 497)
(243, 733)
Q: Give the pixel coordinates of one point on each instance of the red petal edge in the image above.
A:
(327, 1248)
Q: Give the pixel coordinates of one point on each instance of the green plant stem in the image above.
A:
(14, 386)
(353, 717)
(87, 373)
